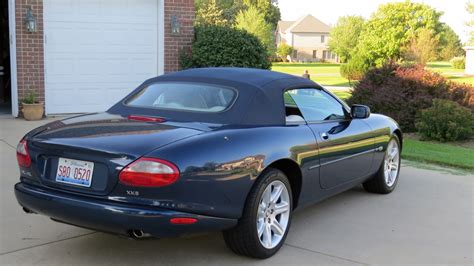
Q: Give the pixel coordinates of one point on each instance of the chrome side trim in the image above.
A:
(380, 148)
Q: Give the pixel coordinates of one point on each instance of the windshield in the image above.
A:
(184, 96)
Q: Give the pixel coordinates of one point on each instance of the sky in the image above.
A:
(328, 11)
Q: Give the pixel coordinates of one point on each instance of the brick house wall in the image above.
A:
(30, 49)
(184, 10)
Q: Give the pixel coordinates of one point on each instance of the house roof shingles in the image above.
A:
(284, 25)
(306, 24)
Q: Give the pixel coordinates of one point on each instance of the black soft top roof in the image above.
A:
(259, 101)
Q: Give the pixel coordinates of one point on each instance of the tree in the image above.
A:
(209, 13)
(345, 36)
(422, 48)
(284, 50)
(449, 44)
(470, 9)
(269, 9)
(252, 21)
(392, 27)
(230, 8)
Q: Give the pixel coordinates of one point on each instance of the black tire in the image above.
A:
(243, 239)
(377, 183)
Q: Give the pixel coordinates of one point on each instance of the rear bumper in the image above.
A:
(113, 217)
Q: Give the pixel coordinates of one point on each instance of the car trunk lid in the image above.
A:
(108, 141)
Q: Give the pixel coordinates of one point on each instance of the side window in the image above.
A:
(313, 104)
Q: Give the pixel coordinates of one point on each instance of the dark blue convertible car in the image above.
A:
(228, 149)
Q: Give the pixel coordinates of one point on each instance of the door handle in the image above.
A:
(324, 136)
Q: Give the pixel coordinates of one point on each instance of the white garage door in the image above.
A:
(97, 51)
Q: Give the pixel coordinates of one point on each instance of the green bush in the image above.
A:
(458, 62)
(401, 92)
(354, 69)
(283, 51)
(216, 46)
(445, 121)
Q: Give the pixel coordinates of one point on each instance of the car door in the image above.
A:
(345, 145)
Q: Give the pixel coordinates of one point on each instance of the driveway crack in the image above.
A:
(8, 144)
(47, 243)
(326, 254)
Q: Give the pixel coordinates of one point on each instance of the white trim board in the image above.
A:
(161, 37)
(13, 69)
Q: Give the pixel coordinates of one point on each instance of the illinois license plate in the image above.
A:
(75, 172)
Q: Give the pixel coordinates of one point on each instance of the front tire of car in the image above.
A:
(266, 219)
(386, 178)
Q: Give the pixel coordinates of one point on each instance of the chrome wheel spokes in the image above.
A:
(391, 162)
(273, 214)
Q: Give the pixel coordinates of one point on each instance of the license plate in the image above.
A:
(75, 172)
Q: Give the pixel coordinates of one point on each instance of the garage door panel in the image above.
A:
(104, 11)
(141, 67)
(118, 67)
(96, 52)
(94, 96)
(60, 67)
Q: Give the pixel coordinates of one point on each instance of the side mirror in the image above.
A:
(359, 111)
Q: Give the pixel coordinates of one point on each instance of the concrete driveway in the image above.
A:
(428, 219)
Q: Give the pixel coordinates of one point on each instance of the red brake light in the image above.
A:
(183, 220)
(149, 172)
(22, 154)
(146, 118)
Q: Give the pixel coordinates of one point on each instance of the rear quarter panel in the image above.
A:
(218, 168)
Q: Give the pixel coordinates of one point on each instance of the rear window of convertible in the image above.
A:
(184, 97)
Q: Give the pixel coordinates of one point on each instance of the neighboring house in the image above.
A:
(83, 56)
(469, 60)
(309, 38)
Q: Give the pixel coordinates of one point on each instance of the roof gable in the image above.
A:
(284, 25)
(309, 24)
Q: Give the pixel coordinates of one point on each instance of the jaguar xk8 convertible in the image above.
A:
(227, 149)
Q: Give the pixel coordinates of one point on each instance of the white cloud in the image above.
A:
(329, 11)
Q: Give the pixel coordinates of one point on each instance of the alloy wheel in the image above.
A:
(391, 163)
(273, 214)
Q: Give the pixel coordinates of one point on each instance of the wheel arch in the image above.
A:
(293, 171)
(399, 134)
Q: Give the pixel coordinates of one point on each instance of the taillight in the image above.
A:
(149, 172)
(22, 154)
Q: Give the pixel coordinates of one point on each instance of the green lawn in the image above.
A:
(342, 94)
(449, 72)
(328, 74)
(323, 73)
(438, 153)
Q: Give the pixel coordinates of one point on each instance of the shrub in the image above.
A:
(458, 62)
(355, 69)
(30, 98)
(283, 51)
(401, 92)
(216, 46)
(445, 121)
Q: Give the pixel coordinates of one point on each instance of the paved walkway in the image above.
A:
(427, 220)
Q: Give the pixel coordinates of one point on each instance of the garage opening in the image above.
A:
(5, 76)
